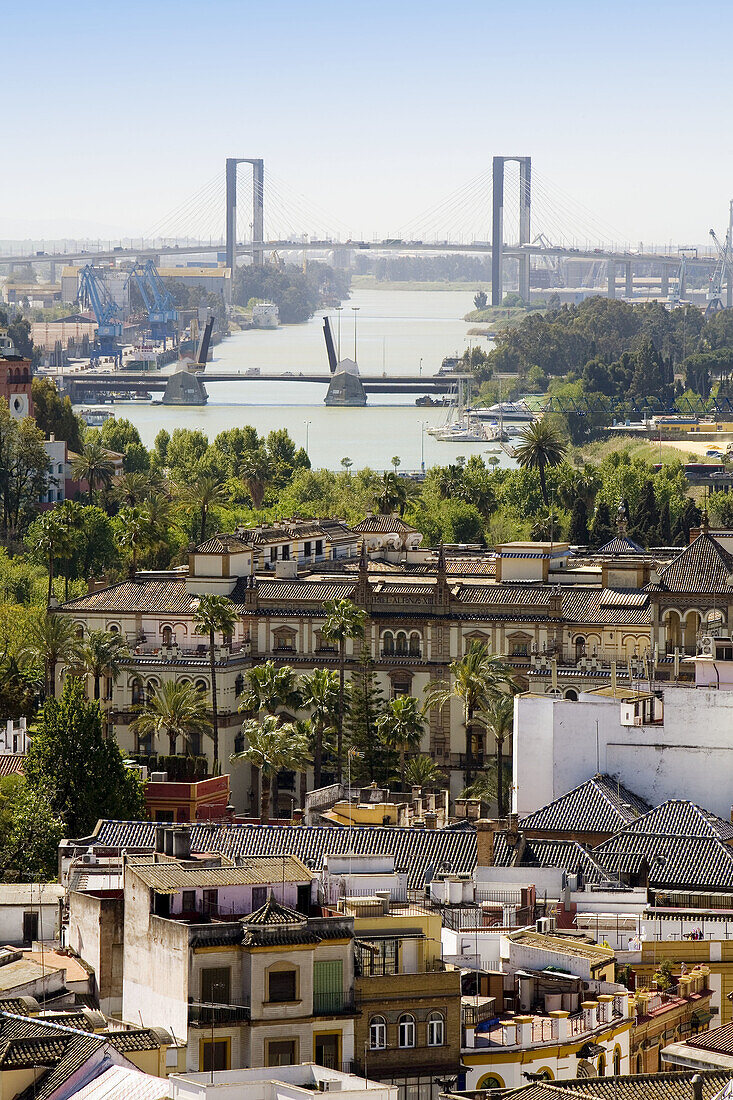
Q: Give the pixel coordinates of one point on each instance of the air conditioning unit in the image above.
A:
(159, 777)
(707, 646)
(89, 858)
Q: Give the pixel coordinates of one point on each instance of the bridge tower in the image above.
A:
(258, 209)
(497, 226)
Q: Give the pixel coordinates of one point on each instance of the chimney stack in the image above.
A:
(486, 831)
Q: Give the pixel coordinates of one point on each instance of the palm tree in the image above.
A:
(175, 710)
(546, 528)
(255, 472)
(50, 639)
(270, 687)
(202, 495)
(499, 719)
(102, 653)
(215, 614)
(540, 445)
(401, 727)
(49, 539)
(392, 495)
(422, 771)
(132, 487)
(320, 695)
(272, 747)
(476, 680)
(344, 620)
(71, 515)
(94, 466)
(133, 532)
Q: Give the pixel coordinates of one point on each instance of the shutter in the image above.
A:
(328, 985)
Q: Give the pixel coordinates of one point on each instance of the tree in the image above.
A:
(347, 464)
(578, 534)
(215, 614)
(256, 474)
(175, 711)
(396, 462)
(30, 833)
(343, 620)
(366, 704)
(480, 299)
(50, 639)
(202, 495)
(94, 466)
(422, 771)
(271, 748)
(392, 495)
(82, 775)
(499, 720)
(133, 532)
(546, 527)
(47, 539)
(270, 687)
(601, 530)
(54, 414)
(540, 446)
(23, 470)
(401, 727)
(476, 680)
(320, 696)
(102, 653)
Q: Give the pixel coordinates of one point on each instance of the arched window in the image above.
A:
(436, 1029)
(113, 628)
(239, 684)
(601, 1065)
(579, 647)
(406, 1030)
(138, 695)
(193, 743)
(388, 643)
(167, 635)
(201, 685)
(79, 631)
(617, 1061)
(377, 1033)
(491, 1081)
(150, 689)
(639, 1063)
(415, 644)
(401, 644)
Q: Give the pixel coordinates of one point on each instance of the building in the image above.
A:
(711, 1051)
(677, 1014)
(29, 911)
(570, 1017)
(292, 1082)
(242, 976)
(656, 1086)
(169, 799)
(15, 379)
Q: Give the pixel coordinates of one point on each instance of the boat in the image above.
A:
(518, 411)
(467, 430)
(95, 418)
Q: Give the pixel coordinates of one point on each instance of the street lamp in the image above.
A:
(422, 443)
(420, 370)
(355, 310)
(307, 426)
(339, 310)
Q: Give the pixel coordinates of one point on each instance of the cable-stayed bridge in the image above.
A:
(509, 212)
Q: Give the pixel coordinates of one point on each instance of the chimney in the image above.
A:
(431, 820)
(697, 1087)
(486, 831)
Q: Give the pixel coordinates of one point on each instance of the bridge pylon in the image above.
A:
(497, 226)
(258, 209)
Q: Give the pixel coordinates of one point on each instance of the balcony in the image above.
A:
(217, 1015)
(333, 1004)
(477, 761)
(167, 653)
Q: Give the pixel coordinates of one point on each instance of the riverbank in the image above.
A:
(369, 282)
(649, 450)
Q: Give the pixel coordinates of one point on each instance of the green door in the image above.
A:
(328, 986)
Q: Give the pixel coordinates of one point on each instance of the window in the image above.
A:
(579, 648)
(259, 897)
(167, 635)
(273, 553)
(377, 958)
(281, 988)
(319, 548)
(286, 553)
(388, 643)
(406, 1031)
(400, 687)
(211, 902)
(281, 1052)
(436, 1029)
(307, 549)
(602, 1065)
(188, 901)
(401, 643)
(414, 644)
(377, 1033)
(239, 684)
(328, 986)
(138, 695)
(617, 1062)
(214, 1054)
(216, 985)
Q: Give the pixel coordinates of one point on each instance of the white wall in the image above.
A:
(557, 746)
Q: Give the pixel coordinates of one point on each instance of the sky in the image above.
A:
(117, 113)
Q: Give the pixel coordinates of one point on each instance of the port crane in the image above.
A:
(93, 294)
(157, 299)
(723, 271)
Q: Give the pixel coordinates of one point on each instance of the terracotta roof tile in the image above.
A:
(599, 805)
(703, 566)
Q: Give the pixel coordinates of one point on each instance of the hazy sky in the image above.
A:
(115, 113)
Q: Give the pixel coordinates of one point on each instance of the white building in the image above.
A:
(290, 1083)
(660, 744)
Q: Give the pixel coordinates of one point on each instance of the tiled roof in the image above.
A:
(621, 544)
(719, 1040)
(328, 529)
(273, 913)
(222, 544)
(566, 854)
(170, 877)
(681, 844)
(284, 591)
(417, 850)
(605, 605)
(32, 1051)
(167, 597)
(703, 566)
(599, 805)
(383, 525)
(675, 1085)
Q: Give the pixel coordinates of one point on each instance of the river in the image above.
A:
(395, 331)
